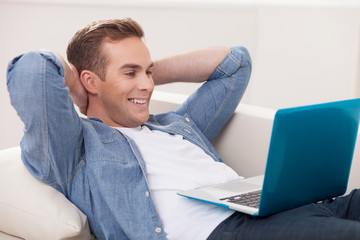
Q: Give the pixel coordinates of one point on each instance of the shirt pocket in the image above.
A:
(107, 147)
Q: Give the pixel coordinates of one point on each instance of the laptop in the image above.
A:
(309, 160)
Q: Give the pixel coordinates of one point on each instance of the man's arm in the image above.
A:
(52, 128)
(212, 105)
(194, 66)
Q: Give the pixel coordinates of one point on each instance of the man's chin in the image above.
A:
(138, 122)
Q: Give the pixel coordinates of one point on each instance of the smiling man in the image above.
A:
(121, 98)
(123, 166)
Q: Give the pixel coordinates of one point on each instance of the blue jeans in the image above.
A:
(330, 219)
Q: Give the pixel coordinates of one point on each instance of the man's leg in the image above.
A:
(347, 207)
(338, 219)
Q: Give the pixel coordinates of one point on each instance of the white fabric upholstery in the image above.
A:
(4, 236)
(30, 209)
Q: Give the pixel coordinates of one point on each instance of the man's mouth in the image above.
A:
(137, 101)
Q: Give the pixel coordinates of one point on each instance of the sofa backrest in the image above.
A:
(243, 143)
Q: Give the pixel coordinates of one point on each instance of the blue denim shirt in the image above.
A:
(95, 166)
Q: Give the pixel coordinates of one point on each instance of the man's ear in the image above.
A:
(88, 80)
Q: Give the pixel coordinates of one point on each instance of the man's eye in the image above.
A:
(149, 73)
(130, 74)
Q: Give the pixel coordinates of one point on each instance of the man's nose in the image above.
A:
(146, 83)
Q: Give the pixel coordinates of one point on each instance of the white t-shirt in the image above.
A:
(175, 164)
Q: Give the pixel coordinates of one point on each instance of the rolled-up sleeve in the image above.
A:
(213, 104)
(52, 127)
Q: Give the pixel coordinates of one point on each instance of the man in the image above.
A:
(121, 166)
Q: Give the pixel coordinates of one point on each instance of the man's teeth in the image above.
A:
(138, 101)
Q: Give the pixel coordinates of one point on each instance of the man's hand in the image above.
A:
(77, 91)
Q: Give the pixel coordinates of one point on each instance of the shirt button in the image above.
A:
(158, 230)
(187, 119)
(147, 194)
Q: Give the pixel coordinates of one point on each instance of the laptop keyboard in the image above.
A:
(251, 199)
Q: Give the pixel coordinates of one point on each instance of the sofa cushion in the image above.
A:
(30, 209)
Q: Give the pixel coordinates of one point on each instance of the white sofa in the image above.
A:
(29, 209)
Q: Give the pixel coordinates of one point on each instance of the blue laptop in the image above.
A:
(309, 160)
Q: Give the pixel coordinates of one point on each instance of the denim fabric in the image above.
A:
(332, 219)
(100, 170)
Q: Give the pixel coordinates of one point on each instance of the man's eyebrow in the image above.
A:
(130, 65)
(135, 66)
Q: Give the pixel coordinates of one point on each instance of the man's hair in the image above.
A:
(85, 48)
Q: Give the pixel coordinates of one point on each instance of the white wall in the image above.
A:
(303, 52)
